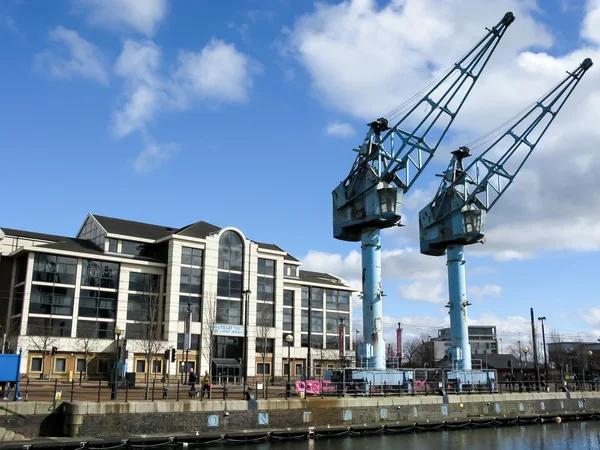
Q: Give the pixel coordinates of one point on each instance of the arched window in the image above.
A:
(230, 276)
(231, 250)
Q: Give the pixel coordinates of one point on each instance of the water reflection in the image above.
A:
(551, 436)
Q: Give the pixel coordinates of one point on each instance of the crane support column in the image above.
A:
(372, 307)
(459, 331)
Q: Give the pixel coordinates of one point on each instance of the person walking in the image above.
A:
(192, 380)
(206, 384)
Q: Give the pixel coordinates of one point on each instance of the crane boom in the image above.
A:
(390, 159)
(474, 190)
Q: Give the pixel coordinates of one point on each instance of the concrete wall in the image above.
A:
(167, 418)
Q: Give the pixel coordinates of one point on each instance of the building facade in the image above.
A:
(482, 338)
(221, 301)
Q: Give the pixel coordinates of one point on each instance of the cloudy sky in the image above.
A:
(245, 113)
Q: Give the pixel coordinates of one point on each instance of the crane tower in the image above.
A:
(456, 216)
(389, 161)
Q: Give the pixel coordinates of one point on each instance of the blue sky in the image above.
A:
(244, 113)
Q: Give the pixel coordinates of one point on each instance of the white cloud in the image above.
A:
(153, 156)
(217, 74)
(73, 56)
(8, 23)
(421, 290)
(488, 290)
(552, 205)
(340, 129)
(143, 16)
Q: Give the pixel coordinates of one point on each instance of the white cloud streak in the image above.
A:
(73, 56)
(340, 129)
(153, 156)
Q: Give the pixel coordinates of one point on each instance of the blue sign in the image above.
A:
(383, 413)
(263, 418)
(9, 367)
(444, 410)
(213, 421)
(347, 415)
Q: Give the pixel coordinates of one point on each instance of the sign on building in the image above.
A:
(228, 330)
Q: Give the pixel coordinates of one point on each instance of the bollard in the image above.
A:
(80, 377)
(55, 389)
(27, 389)
(165, 392)
(126, 390)
(225, 390)
(384, 389)
(72, 388)
(370, 390)
(99, 389)
(153, 385)
(178, 385)
(399, 388)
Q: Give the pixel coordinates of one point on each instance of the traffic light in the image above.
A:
(54, 351)
(173, 355)
(167, 354)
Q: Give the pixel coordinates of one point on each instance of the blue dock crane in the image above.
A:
(389, 161)
(456, 216)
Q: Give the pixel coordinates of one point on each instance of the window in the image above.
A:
(95, 329)
(339, 300)
(299, 370)
(60, 365)
(230, 251)
(194, 304)
(131, 248)
(288, 319)
(140, 366)
(21, 269)
(141, 307)
(55, 300)
(265, 314)
(286, 369)
(316, 297)
(47, 326)
(195, 344)
(318, 370)
(316, 340)
(229, 312)
(113, 245)
(229, 284)
(266, 267)
(265, 345)
(80, 366)
(98, 304)
(36, 364)
(288, 298)
(100, 274)
(54, 269)
(144, 282)
(228, 347)
(144, 331)
(263, 368)
(191, 256)
(266, 289)
(92, 232)
(190, 281)
(316, 325)
(332, 342)
(157, 366)
(334, 320)
(289, 270)
(19, 294)
(103, 365)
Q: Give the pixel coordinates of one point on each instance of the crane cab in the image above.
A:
(463, 227)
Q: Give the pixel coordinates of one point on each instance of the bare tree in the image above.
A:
(209, 319)
(149, 334)
(43, 344)
(88, 346)
(556, 353)
(413, 352)
(262, 343)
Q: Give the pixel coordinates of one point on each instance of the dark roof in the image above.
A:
(134, 229)
(33, 235)
(73, 245)
(198, 230)
(320, 277)
(269, 247)
(289, 257)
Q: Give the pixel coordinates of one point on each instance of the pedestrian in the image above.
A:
(192, 380)
(206, 384)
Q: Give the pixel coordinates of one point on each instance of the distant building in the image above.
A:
(482, 339)
(74, 293)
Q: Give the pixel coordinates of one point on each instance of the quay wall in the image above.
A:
(189, 417)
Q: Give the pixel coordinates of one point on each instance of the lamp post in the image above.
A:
(246, 294)
(541, 319)
(289, 339)
(356, 349)
(113, 394)
(525, 351)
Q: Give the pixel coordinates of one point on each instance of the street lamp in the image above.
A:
(541, 319)
(113, 394)
(289, 339)
(525, 350)
(246, 294)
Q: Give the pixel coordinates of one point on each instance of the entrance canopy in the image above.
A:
(223, 363)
